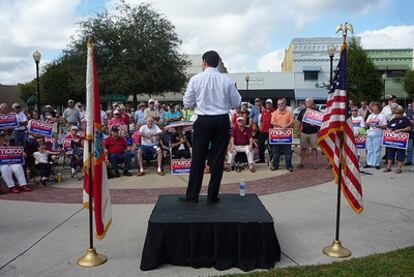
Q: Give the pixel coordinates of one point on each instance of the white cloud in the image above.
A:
(389, 37)
(243, 30)
(28, 25)
(271, 61)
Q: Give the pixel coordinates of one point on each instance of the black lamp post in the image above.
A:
(384, 77)
(247, 79)
(36, 58)
(331, 53)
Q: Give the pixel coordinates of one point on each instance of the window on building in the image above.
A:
(311, 75)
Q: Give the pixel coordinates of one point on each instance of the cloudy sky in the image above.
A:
(250, 35)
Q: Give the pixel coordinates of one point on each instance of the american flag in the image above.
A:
(337, 126)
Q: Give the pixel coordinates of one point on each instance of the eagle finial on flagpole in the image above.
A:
(344, 27)
(90, 41)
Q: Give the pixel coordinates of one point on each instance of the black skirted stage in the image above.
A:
(235, 232)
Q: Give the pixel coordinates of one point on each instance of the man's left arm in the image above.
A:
(291, 121)
(189, 99)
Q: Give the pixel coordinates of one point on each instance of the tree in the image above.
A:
(364, 81)
(136, 52)
(409, 83)
(27, 90)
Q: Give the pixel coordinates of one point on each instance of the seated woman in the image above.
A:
(180, 146)
(8, 170)
(76, 150)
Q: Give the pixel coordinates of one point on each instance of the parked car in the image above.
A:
(321, 107)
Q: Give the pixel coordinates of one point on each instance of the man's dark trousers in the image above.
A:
(214, 129)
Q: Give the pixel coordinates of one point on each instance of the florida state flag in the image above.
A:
(95, 156)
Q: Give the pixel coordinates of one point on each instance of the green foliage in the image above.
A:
(136, 51)
(364, 81)
(26, 90)
(409, 83)
(396, 263)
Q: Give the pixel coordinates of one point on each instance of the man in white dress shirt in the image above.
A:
(211, 95)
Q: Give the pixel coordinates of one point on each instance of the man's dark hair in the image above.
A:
(212, 58)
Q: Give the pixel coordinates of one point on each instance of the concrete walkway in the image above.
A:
(39, 239)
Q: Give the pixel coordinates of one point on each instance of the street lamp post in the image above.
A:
(36, 58)
(247, 78)
(331, 53)
(384, 77)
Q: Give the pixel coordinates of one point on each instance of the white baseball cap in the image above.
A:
(269, 101)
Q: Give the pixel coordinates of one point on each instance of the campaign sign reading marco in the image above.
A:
(281, 136)
(313, 117)
(40, 128)
(11, 155)
(395, 140)
(8, 121)
(360, 142)
(180, 166)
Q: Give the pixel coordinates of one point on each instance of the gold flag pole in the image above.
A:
(91, 258)
(336, 250)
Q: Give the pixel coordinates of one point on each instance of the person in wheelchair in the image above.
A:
(241, 140)
(116, 149)
(149, 147)
(43, 162)
(180, 146)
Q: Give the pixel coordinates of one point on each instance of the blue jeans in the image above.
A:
(374, 147)
(391, 152)
(287, 151)
(125, 157)
(20, 137)
(409, 158)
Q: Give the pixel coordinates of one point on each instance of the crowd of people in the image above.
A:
(139, 135)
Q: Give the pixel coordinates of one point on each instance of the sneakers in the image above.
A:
(25, 188)
(252, 170)
(72, 172)
(126, 173)
(141, 173)
(161, 173)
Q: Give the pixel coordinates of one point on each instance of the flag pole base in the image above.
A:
(336, 250)
(91, 259)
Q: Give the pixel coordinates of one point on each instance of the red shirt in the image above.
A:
(266, 120)
(241, 137)
(115, 146)
(125, 118)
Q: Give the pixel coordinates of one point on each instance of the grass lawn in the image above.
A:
(395, 263)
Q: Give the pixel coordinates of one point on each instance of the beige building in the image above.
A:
(10, 94)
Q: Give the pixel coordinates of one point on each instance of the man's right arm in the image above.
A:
(235, 98)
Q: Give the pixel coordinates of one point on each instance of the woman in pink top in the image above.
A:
(116, 120)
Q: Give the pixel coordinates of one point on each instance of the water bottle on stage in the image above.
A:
(242, 187)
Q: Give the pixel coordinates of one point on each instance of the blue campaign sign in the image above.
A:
(281, 136)
(180, 167)
(11, 155)
(41, 128)
(394, 139)
(8, 121)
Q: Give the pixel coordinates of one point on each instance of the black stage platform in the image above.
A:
(236, 232)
